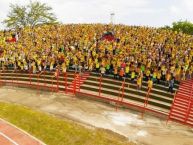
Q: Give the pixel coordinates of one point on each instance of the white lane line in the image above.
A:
(26, 133)
(12, 141)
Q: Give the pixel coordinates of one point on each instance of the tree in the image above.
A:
(32, 14)
(183, 26)
(17, 17)
(166, 27)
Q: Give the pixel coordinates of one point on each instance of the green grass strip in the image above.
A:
(56, 131)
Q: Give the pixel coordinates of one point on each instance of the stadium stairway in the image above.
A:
(77, 82)
(182, 106)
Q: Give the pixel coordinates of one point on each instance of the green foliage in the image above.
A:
(33, 14)
(183, 26)
(166, 27)
(16, 17)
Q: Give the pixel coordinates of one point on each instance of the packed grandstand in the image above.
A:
(133, 52)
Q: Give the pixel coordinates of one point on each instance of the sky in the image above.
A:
(130, 12)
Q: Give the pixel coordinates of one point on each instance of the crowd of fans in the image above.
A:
(136, 52)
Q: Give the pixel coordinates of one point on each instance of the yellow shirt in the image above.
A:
(150, 84)
(127, 69)
(139, 81)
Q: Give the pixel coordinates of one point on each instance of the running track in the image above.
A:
(11, 135)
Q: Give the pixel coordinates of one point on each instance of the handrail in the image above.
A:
(99, 79)
(171, 108)
(189, 105)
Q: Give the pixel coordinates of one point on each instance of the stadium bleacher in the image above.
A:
(155, 54)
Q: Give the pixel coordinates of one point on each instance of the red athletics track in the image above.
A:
(11, 135)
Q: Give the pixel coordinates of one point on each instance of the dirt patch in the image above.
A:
(147, 131)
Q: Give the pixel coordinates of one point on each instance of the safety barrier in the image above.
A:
(105, 89)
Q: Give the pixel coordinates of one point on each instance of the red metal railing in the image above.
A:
(77, 83)
(147, 98)
(65, 82)
(182, 104)
(146, 101)
(1, 81)
(100, 84)
(30, 78)
(79, 77)
(189, 105)
(56, 75)
(121, 94)
(171, 107)
(38, 80)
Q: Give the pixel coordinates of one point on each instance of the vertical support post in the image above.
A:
(121, 93)
(74, 87)
(65, 77)
(79, 83)
(44, 78)
(30, 75)
(123, 90)
(37, 81)
(1, 83)
(52, 87)
(146, 102)
(57, 77)
(100, 84)
(12, 79)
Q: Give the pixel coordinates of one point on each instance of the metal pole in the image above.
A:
(0, 79)
(74, 83)
(100, 83)
(123, 90)
(57, 80)
(30, 78)
(79, 82)
(65, 76)
(112, 18)
(44, 79)
(146, 102)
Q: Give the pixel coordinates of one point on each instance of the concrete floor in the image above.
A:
(147, 131)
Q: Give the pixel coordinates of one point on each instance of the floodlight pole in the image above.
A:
(112, 17)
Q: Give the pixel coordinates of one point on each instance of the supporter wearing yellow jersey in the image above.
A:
(150, 84)
(139, 82)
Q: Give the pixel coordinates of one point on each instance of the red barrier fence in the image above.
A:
(74, 87)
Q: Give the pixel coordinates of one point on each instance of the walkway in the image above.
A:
(11, 135)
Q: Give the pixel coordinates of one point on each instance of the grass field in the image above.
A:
(55, 131)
